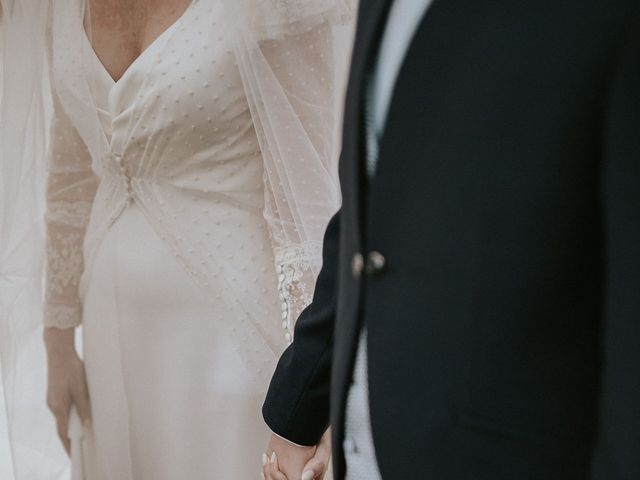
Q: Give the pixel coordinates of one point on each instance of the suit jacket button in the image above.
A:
(375, 263)
(357, 265)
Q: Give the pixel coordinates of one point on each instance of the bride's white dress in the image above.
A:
(166, 237)
(171, 397)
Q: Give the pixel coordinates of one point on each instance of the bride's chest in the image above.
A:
(184, 86)
(120, 30)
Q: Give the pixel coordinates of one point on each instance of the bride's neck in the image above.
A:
(136, 18)
(120, 30)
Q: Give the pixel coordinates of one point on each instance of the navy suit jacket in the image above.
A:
(504, 328)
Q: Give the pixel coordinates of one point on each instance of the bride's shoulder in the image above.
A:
(274, 18)
(64, 13)
(295, 10)
(68, 7)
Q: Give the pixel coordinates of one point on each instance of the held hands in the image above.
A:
(286, 461)
(67, 383)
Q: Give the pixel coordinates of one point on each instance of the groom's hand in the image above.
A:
(284, 457)
(287, 461)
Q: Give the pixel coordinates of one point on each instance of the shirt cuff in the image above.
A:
(288, 441)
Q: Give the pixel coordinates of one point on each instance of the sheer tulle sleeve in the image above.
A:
(288, 68)
(278, 18)
(301, 194)
(71, 187)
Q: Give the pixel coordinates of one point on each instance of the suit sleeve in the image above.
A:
(297, 403)
(617, 455)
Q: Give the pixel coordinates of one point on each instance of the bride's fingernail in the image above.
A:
(307, 475)
(273, 457)
(265, 459)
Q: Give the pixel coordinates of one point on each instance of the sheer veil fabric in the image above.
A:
(23, 139)
(292, 108)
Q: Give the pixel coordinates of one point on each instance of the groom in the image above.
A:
(478, 313)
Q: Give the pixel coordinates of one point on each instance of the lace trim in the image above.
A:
(306, 252)
(295, 265)
(63, 316)
(75, 214)
(64, 262)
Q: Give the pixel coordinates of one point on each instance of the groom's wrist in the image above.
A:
(300, 433)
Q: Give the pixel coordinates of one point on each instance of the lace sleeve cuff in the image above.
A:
(295, 265)
(65, 265)
(63, 316)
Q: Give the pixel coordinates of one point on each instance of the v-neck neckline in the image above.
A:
(142, 54)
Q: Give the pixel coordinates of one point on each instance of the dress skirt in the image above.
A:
(171, 398)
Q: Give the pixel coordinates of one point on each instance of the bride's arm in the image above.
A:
(71, 187)
(292, 91)
(298, 136)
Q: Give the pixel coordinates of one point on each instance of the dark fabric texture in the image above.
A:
(504, 330)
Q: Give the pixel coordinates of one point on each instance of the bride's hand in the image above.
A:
(291, 462)
(318, 466)
(67, 385)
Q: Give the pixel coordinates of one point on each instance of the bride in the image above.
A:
(190, 175)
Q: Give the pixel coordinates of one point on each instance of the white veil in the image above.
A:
(299, 164)
(28, 447)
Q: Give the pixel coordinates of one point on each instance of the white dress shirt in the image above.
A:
(404, 18)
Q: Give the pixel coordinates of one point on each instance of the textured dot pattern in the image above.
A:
(180, 136)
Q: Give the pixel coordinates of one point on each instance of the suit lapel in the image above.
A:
(371, 21)
(372, 16)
